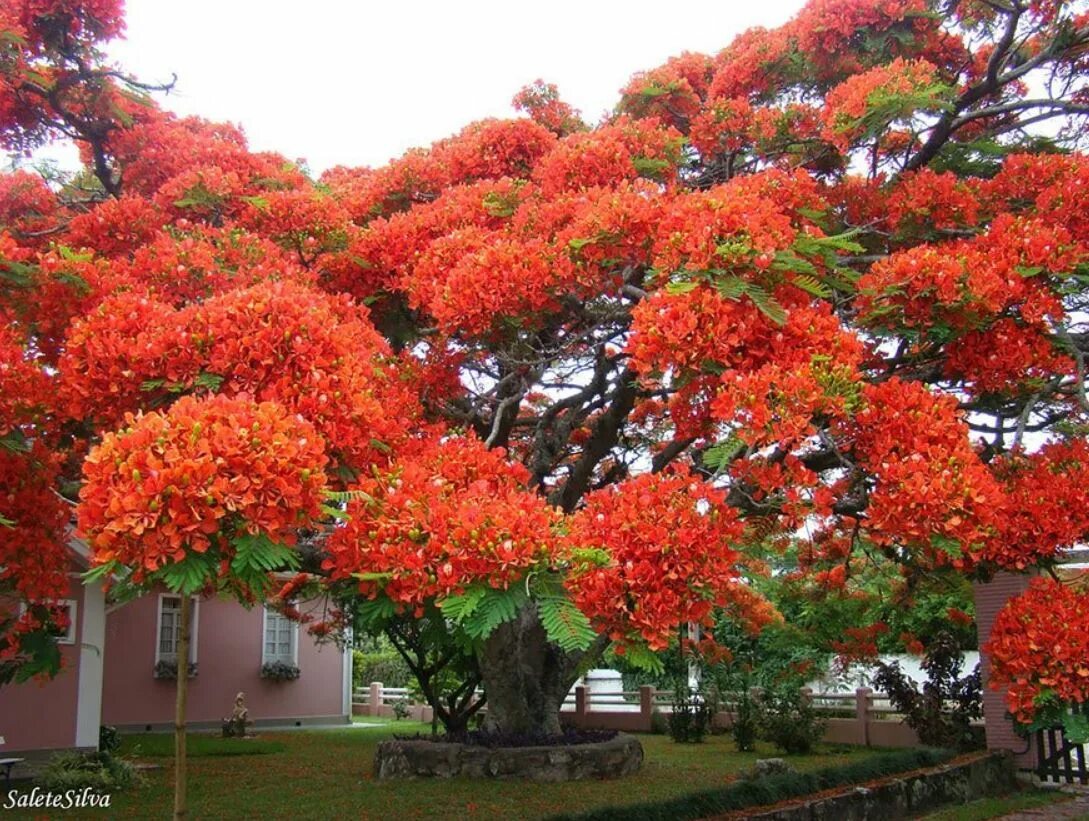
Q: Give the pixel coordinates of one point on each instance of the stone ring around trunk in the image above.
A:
(422, 758)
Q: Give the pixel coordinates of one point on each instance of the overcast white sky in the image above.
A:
(357, 83)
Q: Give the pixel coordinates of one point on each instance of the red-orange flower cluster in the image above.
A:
(446, 515)
(170, 483)
(1046, 505)
(1039, 646)
(671, 541)
(315, 354)
(932, 491)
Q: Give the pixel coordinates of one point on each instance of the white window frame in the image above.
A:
(195, 616)
(72, 605)
(73, 614)
(265, 657)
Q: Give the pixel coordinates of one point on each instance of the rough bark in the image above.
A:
(525, 677)
(180, 807)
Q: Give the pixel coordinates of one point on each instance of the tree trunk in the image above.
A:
(180, 808)
(525, 677)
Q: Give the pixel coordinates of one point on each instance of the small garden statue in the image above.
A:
(235, 726)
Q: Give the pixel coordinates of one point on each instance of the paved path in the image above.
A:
(1076, 810)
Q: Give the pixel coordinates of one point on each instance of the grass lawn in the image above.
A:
(382, 720)
(161, 745)
(327, 774)
(986, 808)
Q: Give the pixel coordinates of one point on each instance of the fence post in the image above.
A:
(646, 706)
(374, 700)
(582, 700)
(862, 712)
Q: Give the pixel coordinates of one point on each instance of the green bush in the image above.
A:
(384, 665)
(659, 722)
(769, 790)
(744, 727)
(788, 719)
(942, 712)
(109, 740)
(690, 720)
(101, 772)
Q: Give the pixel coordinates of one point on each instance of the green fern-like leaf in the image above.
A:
(458, 608)
(643, 658)
(718, 455)
(812, 285)
(948, 546)
(374, 613)
(16, 273)
(14, 442)
(593, 556)
(100, 572)
(730, 287)
(259, 554)
(372, 577)
(565, 624)
(189, 575)
(345, 496)
(836, 242)
(494, 608)
(767, 304)
(208, 381)
(335, 513)
(790, 262)
(681, 287)
(842, 279)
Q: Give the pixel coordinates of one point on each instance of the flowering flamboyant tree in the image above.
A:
(822, 292)
(206, 497)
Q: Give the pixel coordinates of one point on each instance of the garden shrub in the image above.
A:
(109, 740)
(744, 727)
(942, 713)
(772, 789)
(384, 665)
(100, 771)
(692, 713)
(659, 722)
(787, 718)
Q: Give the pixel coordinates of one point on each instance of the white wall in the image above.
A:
(859, 675)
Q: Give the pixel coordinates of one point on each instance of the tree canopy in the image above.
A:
(822, 294)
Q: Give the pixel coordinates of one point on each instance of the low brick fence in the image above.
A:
(863, 717)
(379, 701)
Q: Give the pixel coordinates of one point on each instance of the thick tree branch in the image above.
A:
(603, 439)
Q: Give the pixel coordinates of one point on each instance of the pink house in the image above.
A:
(119, 663)
(990, 598)
(65, 711)
(231, 646)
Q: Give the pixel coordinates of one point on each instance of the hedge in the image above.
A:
(385, 666)
(767, 790)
